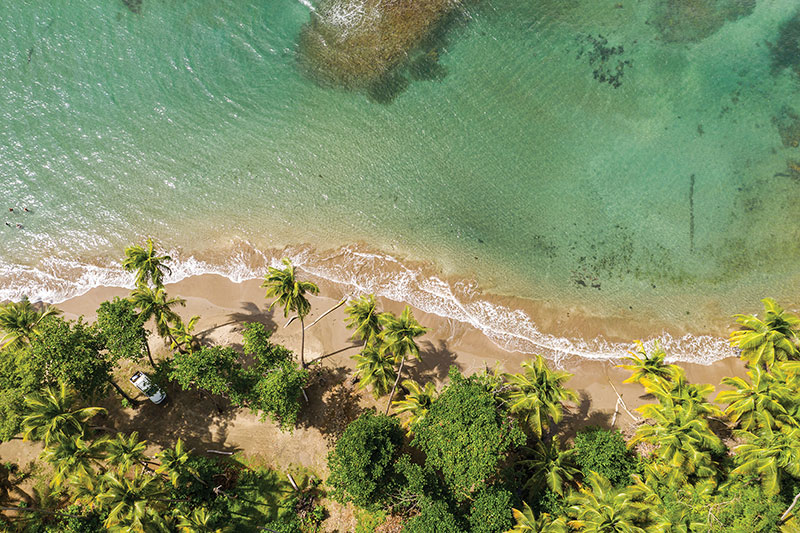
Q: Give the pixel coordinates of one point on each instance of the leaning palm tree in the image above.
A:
(769, 454)
(290, 294)
(199, 521)
(526, 522)
(363, 318)
(417, 401)
(374, 369)
(537, 394)
(132, 503)
(600, 508)
(762, 400)
(763, 342)
(126, 451)
(73, 456)
(155, 304)
(398, 336)
(644, 365)
(679, 391)
(19, 322)
(148, 266)
(51, 413)
(550, 466)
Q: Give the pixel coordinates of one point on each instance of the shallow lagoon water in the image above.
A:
(612, 155)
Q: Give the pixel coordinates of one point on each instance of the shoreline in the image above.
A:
(223, 305)
(557, 329)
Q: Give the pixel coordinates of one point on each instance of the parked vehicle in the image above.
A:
(142, 382)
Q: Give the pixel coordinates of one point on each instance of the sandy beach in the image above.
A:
(224, 305)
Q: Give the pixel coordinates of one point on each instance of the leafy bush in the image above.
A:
(367, 521)
(362, 462)
(743, 507)
(434, 517)
(604, 451)
(491, 511)
(465, 435)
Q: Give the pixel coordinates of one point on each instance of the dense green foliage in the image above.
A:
(362, 463)
(491, 511)
(272, 385)
(466, 436)
(434, 517)
(605, 452)
(121, 329)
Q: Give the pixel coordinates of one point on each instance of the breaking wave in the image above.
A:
(358, 272)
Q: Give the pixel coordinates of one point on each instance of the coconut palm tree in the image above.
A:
(363, 318)
(289, 293)
(770, 454)
(51, 413)
(374, 369)
(600, 508)
(550, 466)
(683, 440)
(761, 400)
(537, 394)
(763, 342)
(126, 451)
(132, 502)
(73, 456)
(155, 304)
(183, 339)
(679, 391)
(148, 266)
(398, 336)
(19, 322)
(644, 365)
(417, 401)
(199, 521)
(526, 522)
(173, 462)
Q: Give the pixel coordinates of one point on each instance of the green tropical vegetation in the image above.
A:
(481, 452)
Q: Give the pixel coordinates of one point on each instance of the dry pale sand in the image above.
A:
(224, 306)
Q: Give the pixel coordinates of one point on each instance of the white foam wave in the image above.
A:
(56, 280)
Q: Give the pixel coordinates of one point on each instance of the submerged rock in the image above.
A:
(682, 21)
(360, 44)
(135, 6)
(786, 51)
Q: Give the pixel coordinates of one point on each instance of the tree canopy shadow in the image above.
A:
(435, 362)
(197, 418)
(333, 402)
(581, 416)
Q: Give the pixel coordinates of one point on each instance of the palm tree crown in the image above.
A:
(550, 466)
(146, 264)
(19, 322)
(399, 333)
(374, 369)
(154, 303)
(52, 414)
(762, 400)
(644, 365)
(763, 342)
(537, 394)
(130, 501)
(363, 318)
(600, 508)
(288, 291)
(417, 401)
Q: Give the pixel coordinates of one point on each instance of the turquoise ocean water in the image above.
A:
(612, 155)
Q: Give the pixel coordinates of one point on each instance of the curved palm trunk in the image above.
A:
(122, 392)
(147, 349)
(302, 343)
(396, 381)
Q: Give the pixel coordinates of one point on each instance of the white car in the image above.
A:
(142, 382)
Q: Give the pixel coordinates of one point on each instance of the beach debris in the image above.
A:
(602, 58)
(691, 21)
(374, 45)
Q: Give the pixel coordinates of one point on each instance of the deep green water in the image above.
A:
(516, 165)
